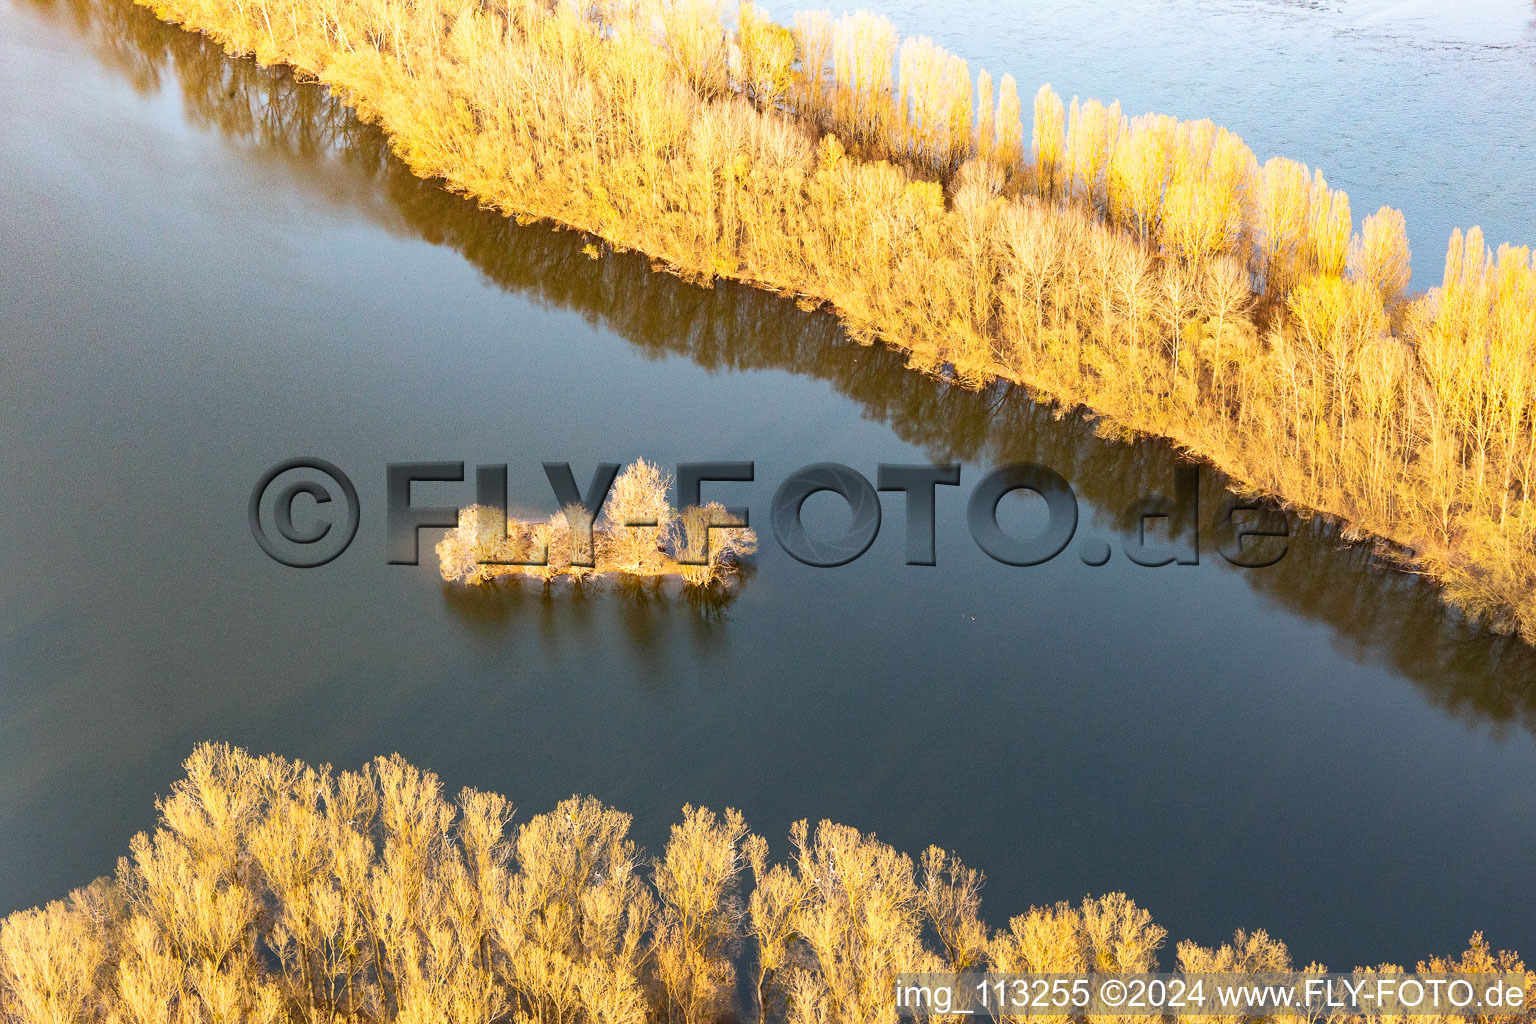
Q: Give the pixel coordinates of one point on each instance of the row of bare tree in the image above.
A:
(276, 893)
(1145, 267)
(638, 536)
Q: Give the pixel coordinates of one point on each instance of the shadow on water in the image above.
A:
(1378, 614)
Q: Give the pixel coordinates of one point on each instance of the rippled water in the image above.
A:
(206, 268)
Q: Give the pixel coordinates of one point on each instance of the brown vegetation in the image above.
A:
(276, 893)
(1145, 267)
(640, 536)
(1372, 610)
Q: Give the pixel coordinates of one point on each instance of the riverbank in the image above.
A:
(273, 891)
(1111, 268)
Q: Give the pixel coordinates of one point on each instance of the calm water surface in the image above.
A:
(207, 268)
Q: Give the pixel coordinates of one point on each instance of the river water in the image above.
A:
(206, 268)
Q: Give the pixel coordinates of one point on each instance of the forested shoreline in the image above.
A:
(273, 892)
(1148, 269)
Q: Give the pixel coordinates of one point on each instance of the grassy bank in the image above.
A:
(274, 892)
(1146, 268)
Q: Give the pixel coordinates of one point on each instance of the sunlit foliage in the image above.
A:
(1049, 122)
(271, 892)
(639, 536)
(1104, 265)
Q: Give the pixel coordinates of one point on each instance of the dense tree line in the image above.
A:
(272, 892)
(1146, 267)
(1375, 612)
(69, 961)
